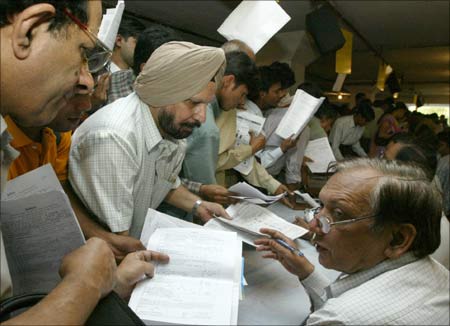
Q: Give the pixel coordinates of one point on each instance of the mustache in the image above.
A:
(191, 125)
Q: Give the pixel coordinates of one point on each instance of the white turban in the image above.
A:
(176, 71)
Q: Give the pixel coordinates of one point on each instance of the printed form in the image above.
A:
(198, 285)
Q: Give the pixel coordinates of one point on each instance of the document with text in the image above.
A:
(246, 122)
(321, 154)
(250, 218)
(197, 286)
(300, 112)
(39, 228)
(252, 195)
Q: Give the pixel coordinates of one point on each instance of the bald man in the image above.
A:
(126, 157)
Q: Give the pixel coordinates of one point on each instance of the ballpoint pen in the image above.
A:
(287, 246)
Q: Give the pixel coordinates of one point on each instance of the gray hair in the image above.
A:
(403, 194)
(237, 45)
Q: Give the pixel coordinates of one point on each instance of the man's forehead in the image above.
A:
(353, 181)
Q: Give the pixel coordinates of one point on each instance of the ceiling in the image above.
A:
(412, 36)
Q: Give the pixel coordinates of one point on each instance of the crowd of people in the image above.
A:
(152, 124)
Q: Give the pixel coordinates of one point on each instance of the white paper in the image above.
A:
(37, 181)
(301, 110)
(339, 82)
(246, 122)
(251, 218)
(110, 24)
(249, 193)
(319, 150)
(197, 286)
(217, 224)
(307, 198)
(155, 220)
(38, 230)
(254, 22)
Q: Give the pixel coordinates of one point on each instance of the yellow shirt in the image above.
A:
(33, 154)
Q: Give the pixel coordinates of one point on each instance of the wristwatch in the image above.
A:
(198, 202)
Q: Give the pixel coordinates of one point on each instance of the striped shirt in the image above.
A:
(120, 165)
(404, 291)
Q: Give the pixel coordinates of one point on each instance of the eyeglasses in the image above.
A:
(97, 57)
(325, 223)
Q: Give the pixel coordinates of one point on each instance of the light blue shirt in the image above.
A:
(203, 149)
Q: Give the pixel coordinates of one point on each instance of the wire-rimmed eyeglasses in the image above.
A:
(97, 57)
(325, 223)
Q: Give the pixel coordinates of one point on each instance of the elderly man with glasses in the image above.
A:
(379, 223)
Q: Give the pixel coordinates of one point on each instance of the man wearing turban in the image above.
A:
(126, 157)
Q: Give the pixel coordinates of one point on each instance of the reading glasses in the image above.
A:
(97, 57)
(325, 223)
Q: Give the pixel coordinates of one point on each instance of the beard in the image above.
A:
(183, 130)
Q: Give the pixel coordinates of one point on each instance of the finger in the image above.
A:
(149, 270)
(159, 257)
(275, 235)
(264, 248)
(263, 241)
(270, 255)
(287, 203)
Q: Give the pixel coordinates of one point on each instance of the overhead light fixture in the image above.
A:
(395, 95)
(340, 97)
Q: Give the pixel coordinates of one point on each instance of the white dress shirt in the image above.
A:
(405, 291)
(120, 165)
(345, 132)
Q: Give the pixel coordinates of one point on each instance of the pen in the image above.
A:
(287, 246)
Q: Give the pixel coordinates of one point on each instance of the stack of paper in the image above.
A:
(197, 286)
(248, 193)
(248, 219)
(39, 228)
(110, 24)
(254, 22)
(246, 122)
(321, 154)
(301, 110)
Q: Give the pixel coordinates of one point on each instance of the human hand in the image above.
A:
(92, 264)
(134, 267)
(288, 143)
(121, 245)
(257, 142)
(100, 94)
(207, 210)
(299, 266)
(288, 200)
(217, 194)
(306, 159)
(302, 223)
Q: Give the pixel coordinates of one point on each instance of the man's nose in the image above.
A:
(85, 81)
(200, 113)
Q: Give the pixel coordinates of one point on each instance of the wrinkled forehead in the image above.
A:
(352, 184)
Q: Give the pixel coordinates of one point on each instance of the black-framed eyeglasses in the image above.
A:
(97, 57)
(325, 223)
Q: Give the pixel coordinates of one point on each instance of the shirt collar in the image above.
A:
(349, 281)
(19, 137)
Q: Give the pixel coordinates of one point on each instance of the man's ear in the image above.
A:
(119, 40)
(402, 237)
(227, 81)
(25, 24)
